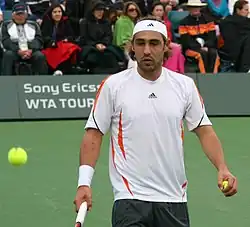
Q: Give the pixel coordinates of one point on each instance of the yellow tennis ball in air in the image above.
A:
(224, 184)
(17, 156)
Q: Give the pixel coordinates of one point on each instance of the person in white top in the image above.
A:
(144, 109)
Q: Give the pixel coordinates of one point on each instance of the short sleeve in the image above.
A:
(102, 110)
(195, 114)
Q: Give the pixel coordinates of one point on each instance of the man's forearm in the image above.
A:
(89, 153)
(212, 147)
(90, 147)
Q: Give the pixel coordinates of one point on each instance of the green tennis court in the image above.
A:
(41, 193)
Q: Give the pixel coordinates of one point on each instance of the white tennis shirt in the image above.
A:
(145, 119)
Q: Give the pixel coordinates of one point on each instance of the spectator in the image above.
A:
(119, 5)
(37, 7)
(114, 12)
(174, 4)
(176, 61)
(31, 16)
(231, 4)
(167, 9)
(1, 15)
(58, 37)
(216, 10)
(112, 17)
(158, 10)
(98, 52)
(113, 3)
(22, 41)
(198, 38)
(125, 24)
(235, 31)
(169, 5)
(145, 6)
(75, 11)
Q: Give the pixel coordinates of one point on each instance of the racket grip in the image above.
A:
(81, 215)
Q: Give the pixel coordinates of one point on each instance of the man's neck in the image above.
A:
(150, 75)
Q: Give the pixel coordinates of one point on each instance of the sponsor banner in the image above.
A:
(226, 93)
(8, 98)
(57, 96)
(52, 97)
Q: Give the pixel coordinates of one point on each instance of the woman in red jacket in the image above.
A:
(60, 51)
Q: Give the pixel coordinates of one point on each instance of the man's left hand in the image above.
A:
(225, 175)
(27, 55)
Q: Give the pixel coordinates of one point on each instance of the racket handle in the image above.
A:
(81, 215)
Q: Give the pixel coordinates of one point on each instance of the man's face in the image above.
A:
(20, 17)
(195, 11)
(149, 48)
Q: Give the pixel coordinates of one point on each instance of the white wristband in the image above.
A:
(86, 173)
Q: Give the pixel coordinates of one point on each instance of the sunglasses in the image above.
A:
(132, 10)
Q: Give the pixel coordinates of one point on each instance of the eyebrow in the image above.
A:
(147, 40)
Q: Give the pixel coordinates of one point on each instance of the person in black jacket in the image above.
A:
(58, 37)
(96, 41)
(22, 41)
(235, 32)
(198, 38)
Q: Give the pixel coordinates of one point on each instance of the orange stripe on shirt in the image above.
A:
(127, 185)
(120, 136)
(182, 132)
(98, 92)
(113, 151)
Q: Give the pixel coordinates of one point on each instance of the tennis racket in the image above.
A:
(81, 215)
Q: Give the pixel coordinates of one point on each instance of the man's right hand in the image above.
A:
(25, 54)
(21, 52)
(84, 193)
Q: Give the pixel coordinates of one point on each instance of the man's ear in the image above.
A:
(132, 46)
(167, 44)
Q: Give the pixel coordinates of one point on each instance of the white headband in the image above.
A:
(151, 25)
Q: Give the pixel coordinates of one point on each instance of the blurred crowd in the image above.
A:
(57, 37)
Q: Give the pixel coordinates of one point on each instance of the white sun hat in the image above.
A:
(194, 3)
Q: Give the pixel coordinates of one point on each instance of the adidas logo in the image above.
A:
(152, 96)
(150, 25)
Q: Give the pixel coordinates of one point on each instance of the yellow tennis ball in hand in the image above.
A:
(224, 184)
(17, 156)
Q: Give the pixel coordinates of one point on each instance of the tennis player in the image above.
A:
(144, 108)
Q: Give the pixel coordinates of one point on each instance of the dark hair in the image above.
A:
(167, 54)
(48, 14)
(126, 6)
(239, 5)
(157, 4)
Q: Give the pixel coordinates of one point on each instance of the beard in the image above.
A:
(149, 64)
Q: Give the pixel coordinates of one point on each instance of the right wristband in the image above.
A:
(86, 173)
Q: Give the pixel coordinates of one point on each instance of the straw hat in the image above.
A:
(195, 3)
